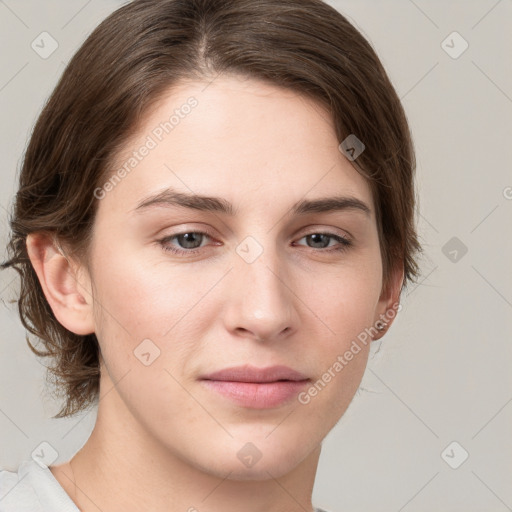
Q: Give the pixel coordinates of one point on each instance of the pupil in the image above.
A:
(188, 239)
(315, 238)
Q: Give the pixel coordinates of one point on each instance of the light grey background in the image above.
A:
(442, 373)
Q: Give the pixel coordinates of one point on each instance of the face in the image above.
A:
(256, 278)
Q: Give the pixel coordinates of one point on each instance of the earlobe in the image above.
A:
(67, 292)
(389, 302)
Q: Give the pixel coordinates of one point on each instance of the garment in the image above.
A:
(33, 488)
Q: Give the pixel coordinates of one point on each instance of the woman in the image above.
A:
(215, 219)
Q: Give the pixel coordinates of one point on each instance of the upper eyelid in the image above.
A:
(314, 228)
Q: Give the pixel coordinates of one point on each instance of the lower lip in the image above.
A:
(257, 395)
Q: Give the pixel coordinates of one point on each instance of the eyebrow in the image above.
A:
(172, 198)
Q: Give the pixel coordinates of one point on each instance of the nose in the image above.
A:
(261, 304)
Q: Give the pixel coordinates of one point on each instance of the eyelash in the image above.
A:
(344, 243)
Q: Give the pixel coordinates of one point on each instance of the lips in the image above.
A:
(249, 373)
(256, 388)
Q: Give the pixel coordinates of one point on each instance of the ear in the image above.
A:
(389, 302)
(66, 286)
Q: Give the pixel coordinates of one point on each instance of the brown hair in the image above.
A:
(127, 64)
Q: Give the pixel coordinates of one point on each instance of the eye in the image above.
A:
(322, 241)
(190, 242)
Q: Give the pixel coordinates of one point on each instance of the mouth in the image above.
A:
(249, 373)
(256, 388)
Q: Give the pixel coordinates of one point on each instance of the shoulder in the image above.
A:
(32, 488)
(16, 493)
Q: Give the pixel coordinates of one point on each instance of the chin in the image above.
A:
(261, 470)
(252, 460)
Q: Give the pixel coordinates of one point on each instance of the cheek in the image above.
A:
(145, 299)
(346, 301)
(157, 309)
(137, 307)
(346, 305)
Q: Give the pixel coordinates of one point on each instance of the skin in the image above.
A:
(162, 440)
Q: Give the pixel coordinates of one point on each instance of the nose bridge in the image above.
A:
(261, 267)
(262, 302)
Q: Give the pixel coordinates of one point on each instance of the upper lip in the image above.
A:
(249, 373)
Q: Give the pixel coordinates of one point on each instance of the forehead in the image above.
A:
(238, 138)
